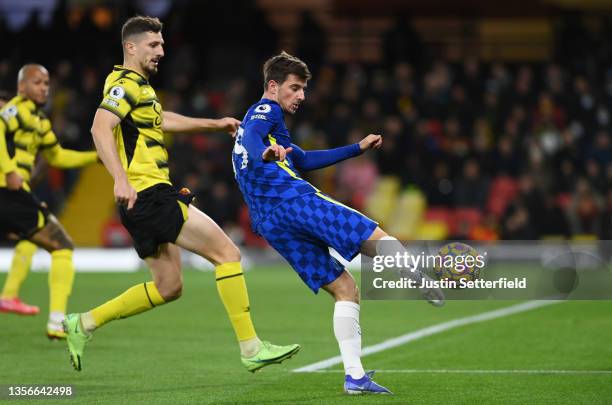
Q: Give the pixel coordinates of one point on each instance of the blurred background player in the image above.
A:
(9, 298)
(297, 219)
(22, 258)
(24, 131)
(128, 131)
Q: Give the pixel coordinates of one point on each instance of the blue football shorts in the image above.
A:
(301, 230)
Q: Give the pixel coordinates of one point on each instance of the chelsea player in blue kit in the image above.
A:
(301, 222)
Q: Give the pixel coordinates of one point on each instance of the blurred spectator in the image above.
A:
(517, 224)
(312, 42)
(507, 161)
(403, 44)
(606, 219)
(585, 209)
(472, 188)
(439, 189)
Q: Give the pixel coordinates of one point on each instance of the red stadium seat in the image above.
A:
(439, 214)
(115, 235)
(465, 220)
(503, 191)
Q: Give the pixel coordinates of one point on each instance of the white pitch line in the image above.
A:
(467, 371)
(430, 330)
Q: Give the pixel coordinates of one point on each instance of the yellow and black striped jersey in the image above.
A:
(139, 137)
(25, 130)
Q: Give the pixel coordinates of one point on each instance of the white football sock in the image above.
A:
(390, 246)
(348, 335)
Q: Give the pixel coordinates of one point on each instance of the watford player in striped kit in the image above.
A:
(25, 131)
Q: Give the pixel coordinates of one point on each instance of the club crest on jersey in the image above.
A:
(263, 108)
(117, 92)
(9, 112)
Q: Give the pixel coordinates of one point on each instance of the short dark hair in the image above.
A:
(278, 67)
(138, 25)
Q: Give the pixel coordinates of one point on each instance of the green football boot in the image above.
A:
(269, 354)
(76, 339)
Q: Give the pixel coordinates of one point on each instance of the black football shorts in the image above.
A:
(21, 213)
(156, 218)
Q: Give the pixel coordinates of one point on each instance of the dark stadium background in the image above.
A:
(498, 114)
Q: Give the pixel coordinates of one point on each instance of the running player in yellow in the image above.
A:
(24, 131)
(22, 259)
(128, 132)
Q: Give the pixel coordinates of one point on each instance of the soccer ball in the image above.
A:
(458, 261)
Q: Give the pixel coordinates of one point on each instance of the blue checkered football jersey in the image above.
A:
(264, 185)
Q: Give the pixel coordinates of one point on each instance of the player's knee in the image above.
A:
(58, 237)
(60, 244)
(230, 254)
(347, 292)
(170, 290)
(65, 243)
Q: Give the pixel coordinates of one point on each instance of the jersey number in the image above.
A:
(241, 151)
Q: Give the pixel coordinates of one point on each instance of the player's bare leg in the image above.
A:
(54, 238)
(381, 243)
(348, 334)
(201, 235)
(166, 271)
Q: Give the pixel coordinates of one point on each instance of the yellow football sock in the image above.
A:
(20, 266)
(135, 300)
(61, 278)
(233, 292)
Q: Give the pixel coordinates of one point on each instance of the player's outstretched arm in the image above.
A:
(317, 159)
(173, 122)
(64, 158)
(102, 131)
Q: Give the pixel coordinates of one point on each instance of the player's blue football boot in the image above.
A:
(364, 385)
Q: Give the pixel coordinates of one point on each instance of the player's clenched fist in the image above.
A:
(125, 194)
(370, 142)
(275, 153)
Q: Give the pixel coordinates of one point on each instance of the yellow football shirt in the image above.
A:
(139, 137)
(24, 131)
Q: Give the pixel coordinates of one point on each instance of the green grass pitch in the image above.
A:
(185, 352)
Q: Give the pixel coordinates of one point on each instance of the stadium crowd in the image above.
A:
(525, 146)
